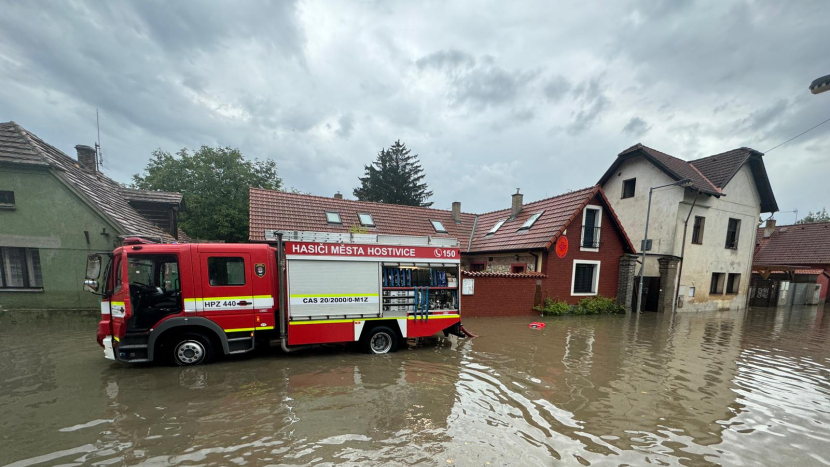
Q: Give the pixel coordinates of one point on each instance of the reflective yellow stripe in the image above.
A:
(116, 339)
(117, 303)
(336, 295)
(226, 298)
(239, 330)
(329, 321)
(264, 328)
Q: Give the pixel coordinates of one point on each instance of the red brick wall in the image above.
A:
(500, 296)
(560, 270)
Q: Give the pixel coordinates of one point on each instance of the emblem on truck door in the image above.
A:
(259, 269)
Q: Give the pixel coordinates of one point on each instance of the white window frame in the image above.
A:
(594, 282)
(436, 224)
(598, 226)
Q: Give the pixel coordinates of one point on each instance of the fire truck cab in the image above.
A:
(192, 303)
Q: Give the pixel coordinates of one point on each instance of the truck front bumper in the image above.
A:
(109, 353)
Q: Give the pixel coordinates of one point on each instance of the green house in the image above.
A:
(55, 210)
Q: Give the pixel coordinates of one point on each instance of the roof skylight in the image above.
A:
(366, 219)
(438, 226)
(333, 217)
(530, 221)
(496, 227)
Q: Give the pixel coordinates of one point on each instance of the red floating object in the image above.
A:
(536, 325)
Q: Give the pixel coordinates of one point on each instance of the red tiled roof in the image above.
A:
(537, 275)
(801, 244)
(708, 174)
(277, 210)
(558, 212)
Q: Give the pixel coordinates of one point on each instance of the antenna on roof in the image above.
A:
(98, 152)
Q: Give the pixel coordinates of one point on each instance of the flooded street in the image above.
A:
(730, 388)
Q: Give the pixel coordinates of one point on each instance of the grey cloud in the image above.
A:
(593, 102)
(346, 126)
(556, 88)
(636, 127)
(489, 85)
(446, 60)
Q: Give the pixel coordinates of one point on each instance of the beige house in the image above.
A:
(702, 234)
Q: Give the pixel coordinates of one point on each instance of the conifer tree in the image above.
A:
(395, 177)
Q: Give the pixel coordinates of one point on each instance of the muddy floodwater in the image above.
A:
(725, 388)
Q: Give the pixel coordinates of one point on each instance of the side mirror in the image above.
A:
(91, 285)
(93, 267)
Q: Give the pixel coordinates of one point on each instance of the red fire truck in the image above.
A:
(192, 303)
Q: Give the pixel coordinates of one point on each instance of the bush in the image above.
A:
(587, 306)
(554, 308)
(599, 306)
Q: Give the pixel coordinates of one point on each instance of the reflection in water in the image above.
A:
(732, 388)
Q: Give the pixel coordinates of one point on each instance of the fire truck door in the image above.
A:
(227, 290)
(120, 309)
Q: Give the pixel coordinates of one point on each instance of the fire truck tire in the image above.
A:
(190, 349)
(380, 340)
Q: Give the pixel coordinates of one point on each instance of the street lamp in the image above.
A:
(684, 183)
(820, 85)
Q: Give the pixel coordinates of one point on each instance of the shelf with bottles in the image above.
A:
(408, 277)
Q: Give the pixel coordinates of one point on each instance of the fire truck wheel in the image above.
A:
(191, 349)
(380, 340)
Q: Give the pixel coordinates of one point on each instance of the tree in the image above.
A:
(813, 217)
(395, 177)
(214, 182)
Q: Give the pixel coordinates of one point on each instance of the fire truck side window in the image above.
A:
(154, 289)
(226, 271)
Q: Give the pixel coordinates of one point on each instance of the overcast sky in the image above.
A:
(492, 96)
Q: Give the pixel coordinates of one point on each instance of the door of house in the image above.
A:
(651, 293)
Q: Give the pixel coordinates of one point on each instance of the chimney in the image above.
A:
(338, 195)
(516, 206)
(87, 158)
(769, 228)
(456, 211)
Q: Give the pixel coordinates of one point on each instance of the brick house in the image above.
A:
(791, 264)
(510, 255)
(55, 210)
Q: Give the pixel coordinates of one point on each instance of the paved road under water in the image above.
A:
(731, 388)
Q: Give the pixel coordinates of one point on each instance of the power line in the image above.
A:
(796, 136)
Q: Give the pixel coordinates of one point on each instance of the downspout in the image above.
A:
(683, 253)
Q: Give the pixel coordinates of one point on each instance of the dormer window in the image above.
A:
(438, 226)
(366, 219)
(532, 220)
(496, 227)
(333, 217)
